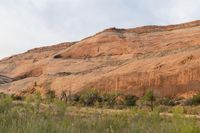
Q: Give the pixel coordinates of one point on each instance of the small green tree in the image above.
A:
(149, 99)
(195, 100)
(50, 95)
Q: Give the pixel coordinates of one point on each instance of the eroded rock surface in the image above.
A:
(163, 58)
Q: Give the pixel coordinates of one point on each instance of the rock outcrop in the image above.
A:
(5, 80)
(165, 59)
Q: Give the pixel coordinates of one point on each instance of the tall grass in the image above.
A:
(55, 117)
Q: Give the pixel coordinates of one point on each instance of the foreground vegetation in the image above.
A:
(50, 115)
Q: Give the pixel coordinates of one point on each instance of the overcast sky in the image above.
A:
(25, 24)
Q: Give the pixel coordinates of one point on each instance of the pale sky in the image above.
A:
(26, 24)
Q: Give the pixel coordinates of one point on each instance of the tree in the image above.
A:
(149, 99)
(50, 95)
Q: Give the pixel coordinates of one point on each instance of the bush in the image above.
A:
(109, 99)
(177, 110)
(76, 98)
(50, 95)
(149, 99)
(167, 101)
(195, 100)
(17, 97)
(90, 97)
(130, 100)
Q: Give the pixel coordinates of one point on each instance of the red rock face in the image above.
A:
(165, 59)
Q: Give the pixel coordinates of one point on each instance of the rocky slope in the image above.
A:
(163, 58)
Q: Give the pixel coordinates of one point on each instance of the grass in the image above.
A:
(37, 116)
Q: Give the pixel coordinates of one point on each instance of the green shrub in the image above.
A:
(50, 95)
(75, 98)
(109, 99)
(177, 110)
(195, 100)
(130, 100)
(167, 101)
(90, 97)
(149, 99)
(17, 97)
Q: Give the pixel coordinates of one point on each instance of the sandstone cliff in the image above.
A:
(163, 58)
